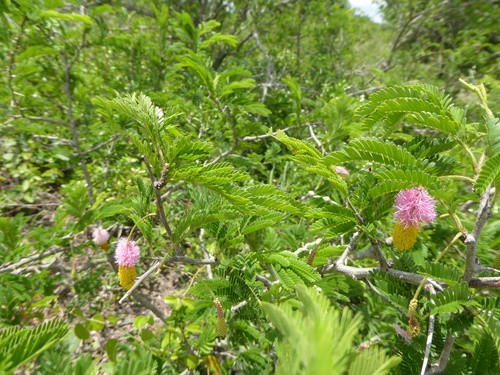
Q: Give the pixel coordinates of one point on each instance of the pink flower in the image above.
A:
(414, 206)
(127, 253)
(100, 236)
(341, 170)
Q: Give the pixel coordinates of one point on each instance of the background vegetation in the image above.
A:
(213, 134)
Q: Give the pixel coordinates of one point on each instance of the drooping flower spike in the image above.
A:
(127, 255)
(413, 207)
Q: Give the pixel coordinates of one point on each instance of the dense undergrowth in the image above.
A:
(210, 187)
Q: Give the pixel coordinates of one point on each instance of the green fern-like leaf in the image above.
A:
(397, 179)
(420, 104)
(76, 199)
(297, 146)
(452, 299)
(153, 120)
(374, 150)
(442, 272)
(326, 332)
(269, 197)
(20, 345)
(290, 270)
(493, 129)
(255, 223)
(194, 63)
(332, 227)
(485, 359)
(372, 361)
(139, 362)
(489, 173)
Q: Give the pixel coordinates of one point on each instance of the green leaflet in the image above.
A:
(485, 357)
(20, 345)
(312, 160)
(493, 128)
(374, 150)
(290, 270)
(489, 174)
(443, 272)
(332, 227)
(318, 339)
(394, 180)
(422, 105)
(452, 299)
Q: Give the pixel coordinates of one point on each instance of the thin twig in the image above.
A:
(384, 266)
(472, 240)
(159, 204)
(268, 283)
(207, 255)
(139, 281)
(269, 135)
(158, 264)
(349, 248)
(443, 358)
(308, 246)
(100, 145)
(430, 334)
(385, 298)
(8, 267)
(239, 306)
(38, 118)
(316, 140)
(138, 296)
(191, 261)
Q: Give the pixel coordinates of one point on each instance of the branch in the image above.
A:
(268, 283)
(316, 140)
(72, 121)
(270, 72)
(385, 298)
(485, 283)
(472, 240)
(191, 261)
(100, 145)
(139, 281)
(158, 263)
(384, 266)
(38, 118)
(443, 359)
(145, 302)
(159, 204)
(430, 334)
(269, 135)
(9, 267)
(138, 296)
(349, 248)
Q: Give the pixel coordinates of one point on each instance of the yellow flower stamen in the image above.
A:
(404, 238)
(127, 276)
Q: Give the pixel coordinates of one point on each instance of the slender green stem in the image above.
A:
(457, 177)
(448, 247)
(471, 155)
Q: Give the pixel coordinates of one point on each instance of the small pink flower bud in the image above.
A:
(341, 170)
(127, 253)
(100, 236)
